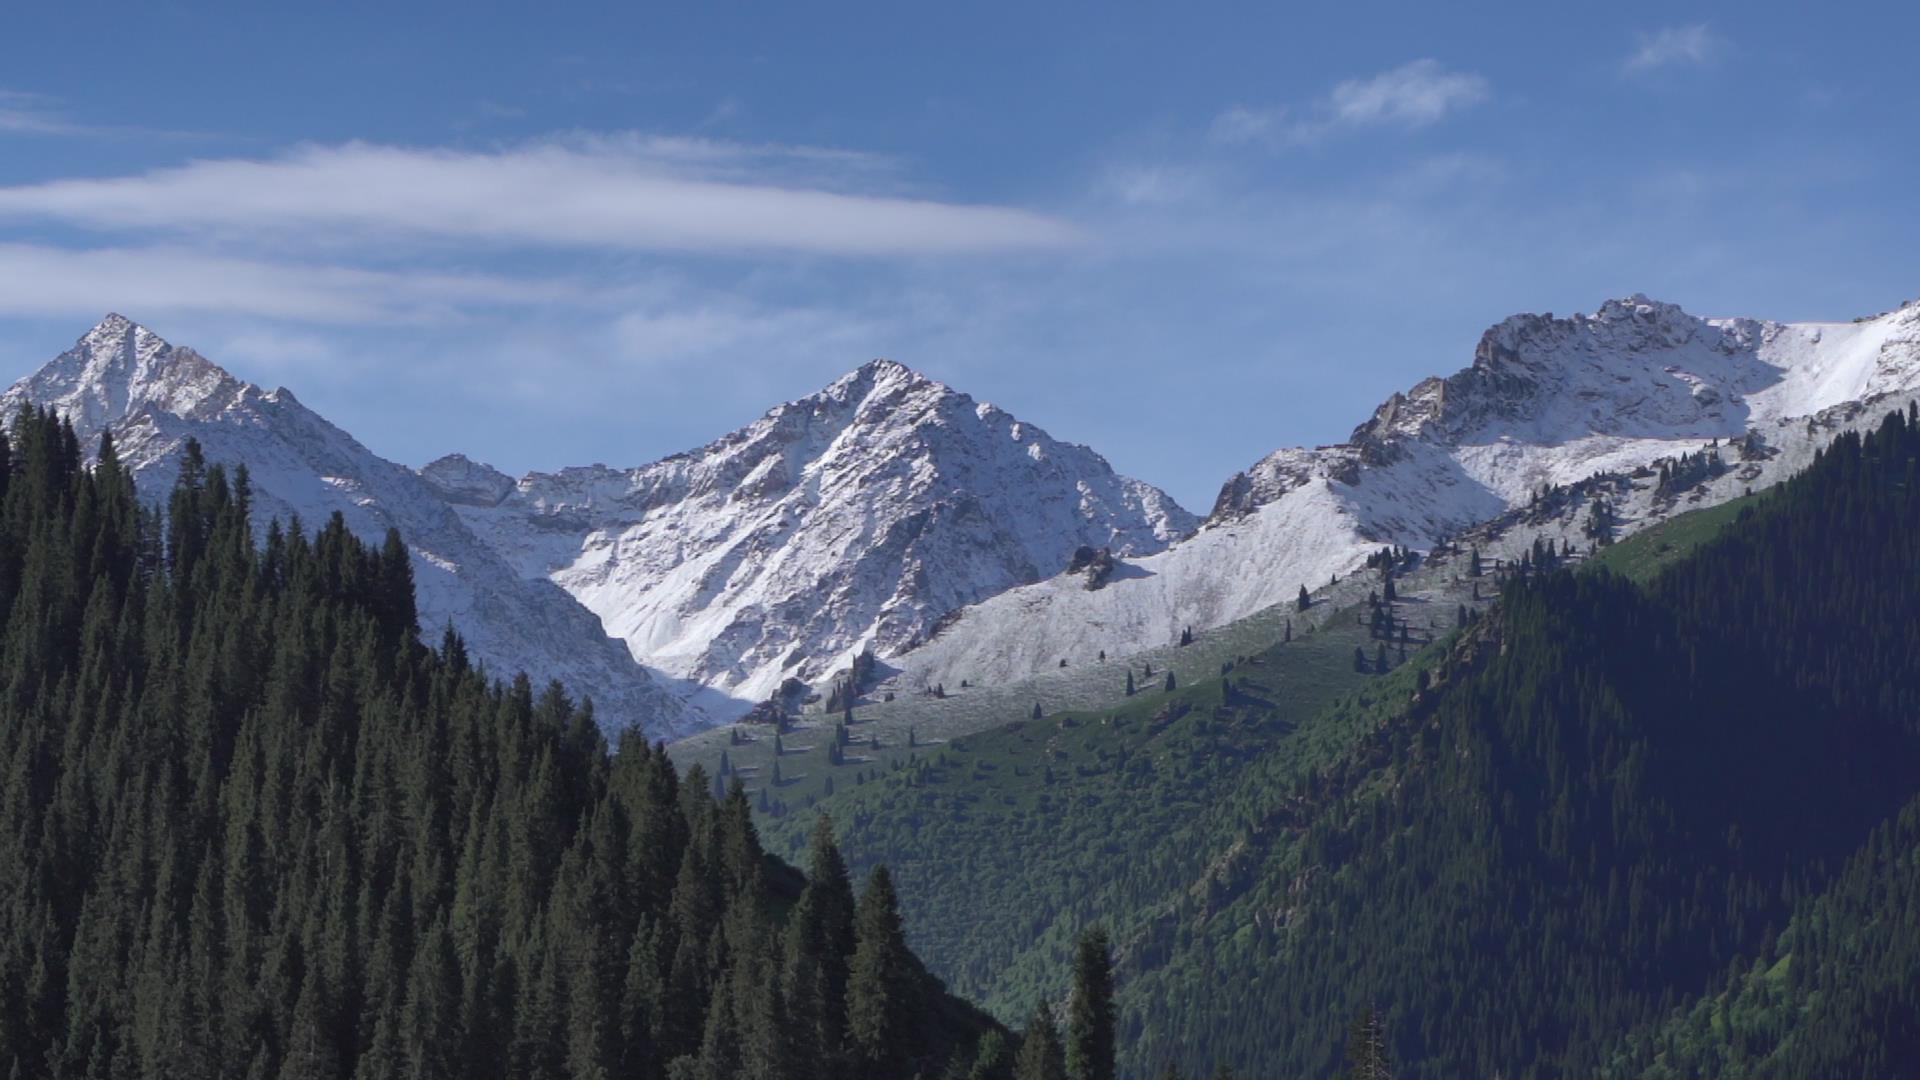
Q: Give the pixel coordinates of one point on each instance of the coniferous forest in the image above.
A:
(253, 828)
(1623, 828)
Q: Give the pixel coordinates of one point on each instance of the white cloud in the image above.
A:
(32, 114)
(26, 113)
(1151, 184)
(1675, 46)
(628, 193)
(1412, 95)
(43, 280)
(1243, 124)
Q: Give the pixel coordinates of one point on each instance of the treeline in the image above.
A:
(251, 827)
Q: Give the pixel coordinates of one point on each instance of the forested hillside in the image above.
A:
(251, 827)
(1610, 800)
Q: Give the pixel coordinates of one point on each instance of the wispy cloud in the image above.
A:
(22, 113)
(1413, 95)
(1155, 184)
(1674, 46)
(631, 193)
(1245, 124)
(45, 280)
(26, 113)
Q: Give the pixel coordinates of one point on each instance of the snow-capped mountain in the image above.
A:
(892, 513)
(854, 518)
(1546, 401)
(154, 396)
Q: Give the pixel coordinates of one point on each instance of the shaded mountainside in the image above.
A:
(251, 827)
(851, 519)
(154, 397)
(1833, 996)
(1609, 797)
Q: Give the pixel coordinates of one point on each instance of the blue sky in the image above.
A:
(1185, 235)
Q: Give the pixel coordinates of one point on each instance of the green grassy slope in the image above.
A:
(1008, 841)
(1643, 555)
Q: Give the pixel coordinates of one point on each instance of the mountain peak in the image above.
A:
(881, 367)
(462, 480)
(119, 368)
(115, 323)
(878, 375)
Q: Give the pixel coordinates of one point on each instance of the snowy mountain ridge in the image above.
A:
(854, 518)
(1546, 401)
(890, 512)
(155, 396)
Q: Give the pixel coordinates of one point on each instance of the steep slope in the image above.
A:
(154, 396)
(855, 518)
(1546, 401)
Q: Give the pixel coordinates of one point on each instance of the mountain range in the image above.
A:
(892, 515)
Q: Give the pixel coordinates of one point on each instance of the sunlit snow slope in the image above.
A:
(853, 518)
(1545, 401)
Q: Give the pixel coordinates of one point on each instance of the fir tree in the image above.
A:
(882, 1009)
(1090, 1016)
(1041, 1056)
(1367, 1048)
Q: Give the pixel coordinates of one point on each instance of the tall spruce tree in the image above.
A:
(1041, 1056)
(1090, 1016)
(882, 1005)
(820, 944)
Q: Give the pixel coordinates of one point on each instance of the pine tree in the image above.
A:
(1041, 1056)
(1367, 1048)
(1304, 601)
(1170, 682)
(432, 1012)
(1129, 682)
(882, 1006)
(1090, 1017)
(991, 1059)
